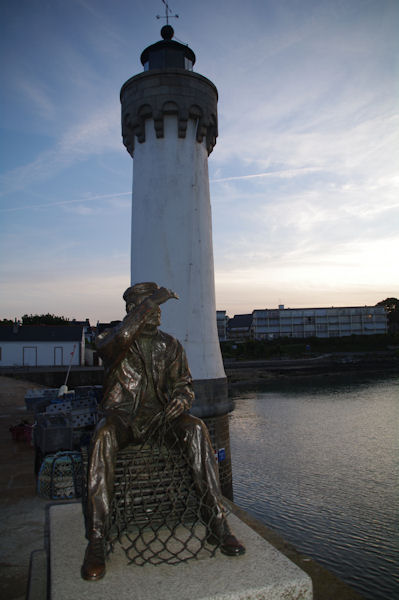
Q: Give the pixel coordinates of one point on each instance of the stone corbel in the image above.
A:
(144, 113)
(158, 123)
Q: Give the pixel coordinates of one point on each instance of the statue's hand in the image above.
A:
(162, 295)
(174, 409)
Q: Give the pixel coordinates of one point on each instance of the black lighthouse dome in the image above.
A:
(167, 54)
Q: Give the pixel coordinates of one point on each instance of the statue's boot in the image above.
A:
(227, 541)
(93, 567)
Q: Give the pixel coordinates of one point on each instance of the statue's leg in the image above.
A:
(112, 433)
(195, 441)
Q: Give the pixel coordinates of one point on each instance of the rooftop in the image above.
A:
(41, 333)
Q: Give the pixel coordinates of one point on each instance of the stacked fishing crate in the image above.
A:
(62, 425)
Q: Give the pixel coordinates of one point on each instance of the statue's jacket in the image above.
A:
(126, 375)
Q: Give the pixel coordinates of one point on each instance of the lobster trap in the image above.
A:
(158, 515)
(60, 476)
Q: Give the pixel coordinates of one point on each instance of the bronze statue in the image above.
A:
(146, 378)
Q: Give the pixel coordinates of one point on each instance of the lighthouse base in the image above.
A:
(212, 405)
(211, 398)
(219, 432)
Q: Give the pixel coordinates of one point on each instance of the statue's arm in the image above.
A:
(181, 385)
(115, 342)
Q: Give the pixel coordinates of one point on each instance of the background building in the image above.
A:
(41, 345)
(239, 327)
(221, 321)
(318, 322)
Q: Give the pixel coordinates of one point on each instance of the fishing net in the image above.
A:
(158, 516)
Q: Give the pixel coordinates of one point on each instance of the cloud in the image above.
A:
(96, 134)
(283, 174)
(354, 274)
(97, 296)
(338, 148)
(113, 198)
(38, 96)
(64, 279)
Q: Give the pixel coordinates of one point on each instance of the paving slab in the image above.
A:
(262, 573)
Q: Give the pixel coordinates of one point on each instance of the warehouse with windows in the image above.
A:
(318, 322)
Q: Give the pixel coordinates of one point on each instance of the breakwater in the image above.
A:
(240, 373)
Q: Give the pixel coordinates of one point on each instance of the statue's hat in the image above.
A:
(138, 292)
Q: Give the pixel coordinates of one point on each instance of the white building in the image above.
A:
(318, 322)
(41, 345)
(221, 321)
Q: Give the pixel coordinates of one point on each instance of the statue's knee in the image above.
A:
(194, 427)
(199, 425)
(105, 430)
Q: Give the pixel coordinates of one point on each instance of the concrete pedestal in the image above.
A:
(261, 574)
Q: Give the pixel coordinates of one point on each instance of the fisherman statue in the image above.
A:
(147, 379)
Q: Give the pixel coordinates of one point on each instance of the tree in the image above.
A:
(47, 319)
(391, 305)
(6, 322)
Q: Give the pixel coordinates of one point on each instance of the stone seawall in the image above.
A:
(239, 372)
(54, 377)
(258, 372)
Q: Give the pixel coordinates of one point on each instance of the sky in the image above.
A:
(304, 177)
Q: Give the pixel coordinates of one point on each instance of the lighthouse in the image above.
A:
(169, 127)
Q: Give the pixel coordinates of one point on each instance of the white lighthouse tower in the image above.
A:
(169, 126)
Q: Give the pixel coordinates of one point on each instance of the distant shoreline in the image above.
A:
(254, 373)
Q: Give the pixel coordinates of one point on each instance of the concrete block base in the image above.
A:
(261, 574)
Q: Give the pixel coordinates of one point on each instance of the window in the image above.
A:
(188, 64)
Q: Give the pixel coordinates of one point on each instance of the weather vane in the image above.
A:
(168, 14)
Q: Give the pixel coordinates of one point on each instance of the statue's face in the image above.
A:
(155, 318)
(153, 321)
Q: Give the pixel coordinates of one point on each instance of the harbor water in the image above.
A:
(318, 461)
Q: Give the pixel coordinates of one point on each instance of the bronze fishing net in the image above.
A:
(158, 514)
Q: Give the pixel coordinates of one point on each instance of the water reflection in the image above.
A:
(318, 462)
